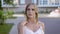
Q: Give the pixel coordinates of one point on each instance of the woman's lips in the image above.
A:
(30, 14)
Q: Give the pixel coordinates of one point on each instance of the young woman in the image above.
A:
(31, 25)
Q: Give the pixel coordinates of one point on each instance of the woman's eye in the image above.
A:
(28, 9)
(33, 9)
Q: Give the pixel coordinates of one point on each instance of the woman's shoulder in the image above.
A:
(41, 23)
(22, 23)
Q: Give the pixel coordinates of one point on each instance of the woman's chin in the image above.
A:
(30, 16)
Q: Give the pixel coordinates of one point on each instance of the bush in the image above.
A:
(9, 13)
(1, 5)
(4, 16)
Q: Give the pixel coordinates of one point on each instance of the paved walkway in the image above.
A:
(18, 15)
(14, 29)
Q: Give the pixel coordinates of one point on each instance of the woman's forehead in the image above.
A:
(31, 6)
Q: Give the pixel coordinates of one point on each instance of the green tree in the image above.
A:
(0, 5)
(8, 2)
(4, 16)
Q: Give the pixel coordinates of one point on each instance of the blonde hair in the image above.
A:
(36, 12)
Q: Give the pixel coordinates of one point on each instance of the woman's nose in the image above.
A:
(30, 11)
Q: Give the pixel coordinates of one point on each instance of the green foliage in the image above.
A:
(46, 11)
(1, 5)
(5, 29)
(4, 16)
(8, 1)
(10, 13)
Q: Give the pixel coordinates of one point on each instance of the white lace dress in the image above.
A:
(28, 31)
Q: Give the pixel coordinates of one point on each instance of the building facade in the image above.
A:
(41, 4)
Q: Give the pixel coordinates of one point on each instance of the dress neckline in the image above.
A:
(32, 30)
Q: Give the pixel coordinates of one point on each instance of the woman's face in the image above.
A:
(31, 11)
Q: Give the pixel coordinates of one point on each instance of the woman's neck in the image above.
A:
(32, 21)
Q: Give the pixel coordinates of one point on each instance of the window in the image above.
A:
(34, 1)
(45, 2)
(22, 1)
(56, 3)
(41, 2)
(15, 2)
(52, 3)
(4, 2)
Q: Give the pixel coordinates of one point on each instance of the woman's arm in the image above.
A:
(20, 28)
(43, 26)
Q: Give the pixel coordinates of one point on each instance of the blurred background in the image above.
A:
(12, 12)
